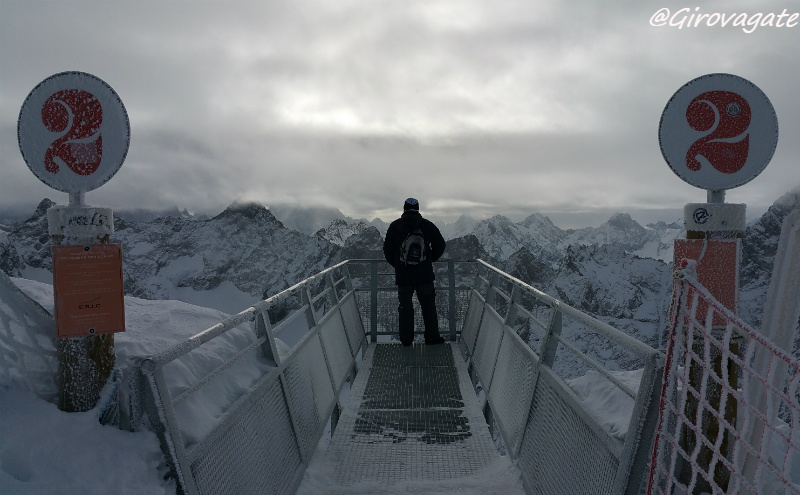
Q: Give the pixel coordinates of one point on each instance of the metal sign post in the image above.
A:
(74, 134)
(717, 132)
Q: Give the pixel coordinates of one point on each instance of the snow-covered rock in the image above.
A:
(501, 238)
(339, 231)
(623, 290)
(461, 227)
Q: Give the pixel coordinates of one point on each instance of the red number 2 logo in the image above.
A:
(726, 116)
(80, 114)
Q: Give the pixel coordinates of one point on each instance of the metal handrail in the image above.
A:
(631, 344)
(248, 315)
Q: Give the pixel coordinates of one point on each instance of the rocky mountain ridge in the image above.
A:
(606, 271)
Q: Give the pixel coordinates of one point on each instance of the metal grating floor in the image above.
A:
(412, 414)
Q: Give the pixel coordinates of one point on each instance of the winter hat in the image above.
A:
(411, 204)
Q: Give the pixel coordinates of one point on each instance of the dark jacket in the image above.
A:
(398, 230)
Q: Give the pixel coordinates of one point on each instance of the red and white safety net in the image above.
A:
(730, 404)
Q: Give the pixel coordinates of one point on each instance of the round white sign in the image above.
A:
(718, 131)
(73, 132)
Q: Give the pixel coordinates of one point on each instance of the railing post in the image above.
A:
(348, 282)
(476, 284)
(263, 329)
(306, 298)
(373, 305)
(331, 283)
(511, 313)
(550, 342)
(451, 277)
(491, 291)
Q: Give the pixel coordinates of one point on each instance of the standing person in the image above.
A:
(412, 245)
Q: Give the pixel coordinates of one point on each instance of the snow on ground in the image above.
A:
(44, 450)
(225, 297)
(500, 477)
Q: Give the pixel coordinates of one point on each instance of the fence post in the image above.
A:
(373, 305)
(715, 245)
(451, 277)
(550, 341)
(491, 291)
(331, 284)
(348, 282)
(264, 329)
(511, 313)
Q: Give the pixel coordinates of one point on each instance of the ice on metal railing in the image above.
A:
(205, 407)
(182, 373)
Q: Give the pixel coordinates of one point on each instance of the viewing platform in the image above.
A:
(412, 415)
(418, 414)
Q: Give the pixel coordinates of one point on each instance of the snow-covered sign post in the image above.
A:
(717, 132)
(74, 133)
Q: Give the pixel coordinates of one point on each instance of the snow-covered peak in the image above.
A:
(461, 227)
(502, 238)
(41, 210)
(252, 211)
(620, 229)
(339, 231)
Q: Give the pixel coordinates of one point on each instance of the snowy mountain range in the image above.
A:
(619, 271)
(311, 219)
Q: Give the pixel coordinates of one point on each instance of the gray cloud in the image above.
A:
(471, 106)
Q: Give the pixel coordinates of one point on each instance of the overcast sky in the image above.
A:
(479, 107)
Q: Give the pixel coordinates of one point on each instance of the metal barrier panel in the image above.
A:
(309, 391)
(352, 323)
(512, 389)
(730, 406)
(254, 451)
(487, 346)
(337, 348)
(561, 453)
(376, 294)
(472, 322)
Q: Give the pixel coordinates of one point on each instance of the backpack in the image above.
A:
(412, 251)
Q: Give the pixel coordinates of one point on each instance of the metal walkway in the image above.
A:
(411, 421)
(412, 414)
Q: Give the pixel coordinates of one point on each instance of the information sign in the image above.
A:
(87, 286)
